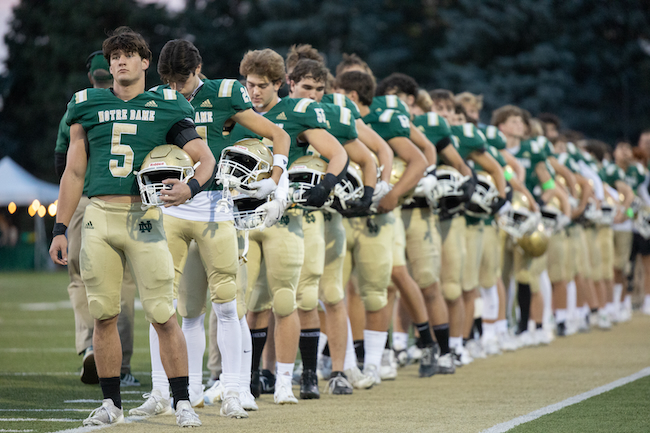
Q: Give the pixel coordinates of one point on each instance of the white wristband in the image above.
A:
(280, 161)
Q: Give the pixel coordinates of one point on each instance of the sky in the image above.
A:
(5, 19)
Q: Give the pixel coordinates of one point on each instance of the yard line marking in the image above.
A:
(43, 410)
(33, 373)
(55, 349)
(127, 420)
(99, 401)
(46, 306)
(132, 392)
(14, 431)
(504, 427)
(41, 419)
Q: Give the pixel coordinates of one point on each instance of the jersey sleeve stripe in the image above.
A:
(225, 89)
(301, 106)
(81, 96)
(169, 94)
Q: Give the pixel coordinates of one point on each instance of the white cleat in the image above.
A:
(646, 308)
(475, 349)
(231, 406)
(507, 343)
(414, 353)
(525, 339)
(214, 393)
(388, 368)
(446, 364)
(491, 346)
(185, 415)
(372, 371)
(284, 394)
(358, 379)
(461, 356)
(624, 314)
(603, 321)
(198, 400)
(247, 400)
(105, 414)
(542, 337)
(155, 404)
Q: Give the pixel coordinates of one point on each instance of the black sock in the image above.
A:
(442, 335)
(478, 326)
(180, 388)
(308, 345)
(594, 310)
(326, 350)
(426, 340)
(111, 389)
(259, 340)
(538, 325)
(387, 346)
(523, 294)
(359, 350)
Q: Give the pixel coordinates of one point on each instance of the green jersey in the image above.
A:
(434, 127)
(389, 123)
(494, 137)
(530, 154)
(635, 175)
(389, 102)
(342, 101)
(467, 139)
(566, 160)
(63, 135)
(122, 133)
(340, 122)
(611, 174)
(295, 116)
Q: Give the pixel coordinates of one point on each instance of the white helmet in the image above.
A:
(607, 211)
(351, 187)
(592, 213)
(305, 173)
(448, 194)
(163, 162)
(246, 212)
(518, 220)
(244, 162)
(642, 222)
(552, 216)
(480, 204)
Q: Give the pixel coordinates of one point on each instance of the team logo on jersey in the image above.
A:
(206, 104)
(89, 226)
(281, 116)
(145, 226)
(151, 103)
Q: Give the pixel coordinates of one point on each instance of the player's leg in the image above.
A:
(470, 284)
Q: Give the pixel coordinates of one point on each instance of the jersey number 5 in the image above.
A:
(117, 148)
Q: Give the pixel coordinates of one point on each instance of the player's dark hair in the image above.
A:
(302, 51)
(398, 83)
(441, 95)
(126, 40)
(307, 68)
(550, 118)
(351, 60)
(360, 82)
(178, 59)
(597, 148)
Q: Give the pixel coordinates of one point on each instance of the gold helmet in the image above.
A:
(535, 243)
(518, 220)
(246, 212)
(245, 162)
(396, 173)
(551, 212)
(448, 193)
(485, 193)
(163, 162)
(305, 173)
(351, 186)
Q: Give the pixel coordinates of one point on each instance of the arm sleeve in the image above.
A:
(182, 132)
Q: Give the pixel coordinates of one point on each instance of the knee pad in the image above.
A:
(451, 292)
(284, 302)
(490, 303)
(308, 299)
(157, 310)
(225, 289)
(101, 308)
(226, 311)
(332, 296)
(375, 300)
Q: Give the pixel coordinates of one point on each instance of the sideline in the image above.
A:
(504, 427)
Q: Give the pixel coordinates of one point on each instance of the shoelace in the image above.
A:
(102, 407)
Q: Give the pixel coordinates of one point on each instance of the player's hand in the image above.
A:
(381, 189)
(262, 188)
(498, 204)
(59, 250)
(468, 188)
(388, 203)
(178, 194)
(274, 211)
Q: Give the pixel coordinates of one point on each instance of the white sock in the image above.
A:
(284, 373)
(610, 308)
(618, 291)
(646, 300)
(489, 330)
(158, 376)
(194, 331)
(502, 326)
(455, 342)
(373, 344)
(400, 341)
(572, 299)
(628, 302)
(322, 341)
(229, 338)
(560, 315)
(350, 355)
(490, 298)
(246, 356)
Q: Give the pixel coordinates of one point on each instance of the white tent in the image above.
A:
(22, 188)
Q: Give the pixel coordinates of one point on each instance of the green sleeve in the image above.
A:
(389, 124)
(63, 136)
(495, 137)
(239, 97)
(470, 139)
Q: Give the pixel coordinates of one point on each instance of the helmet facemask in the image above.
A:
(244, 163)
(163, 162)
(484, 195)
(246, 214)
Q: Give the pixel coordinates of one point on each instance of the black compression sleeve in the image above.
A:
(341, 175)
(442, 143)
(59, 163)
(182, 132)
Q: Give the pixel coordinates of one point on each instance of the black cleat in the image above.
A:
(561, 329)
(88, 369)
(428, 362)
(267, 381)
(256, 388)
(339, 384)
(309, 385)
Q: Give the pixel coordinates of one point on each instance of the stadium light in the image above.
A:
(35, 205)
(42, 211)
(31, 211)
(51, 209)
(12, 207)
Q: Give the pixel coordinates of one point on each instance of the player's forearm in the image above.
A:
(628, 194)
(70, 191)
(520, 172)
(422, 142)
(454, 159)
(565, 173)
(378, 145)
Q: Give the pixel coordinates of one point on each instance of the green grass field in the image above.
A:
(40, 390)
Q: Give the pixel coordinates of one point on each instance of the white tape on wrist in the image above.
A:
(280, 161)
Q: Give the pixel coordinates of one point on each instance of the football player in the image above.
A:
(120, 126)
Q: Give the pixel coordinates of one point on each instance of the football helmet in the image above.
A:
(350, 187)
(518, 220)
(305, 173)
(448, 193)
(244, 162)
(551, 214)
(642, 221)
(163, 162)
(246, 212)
(396, 173)
(607, 211)
(536, 242)
(592, 214)
(485, 193)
